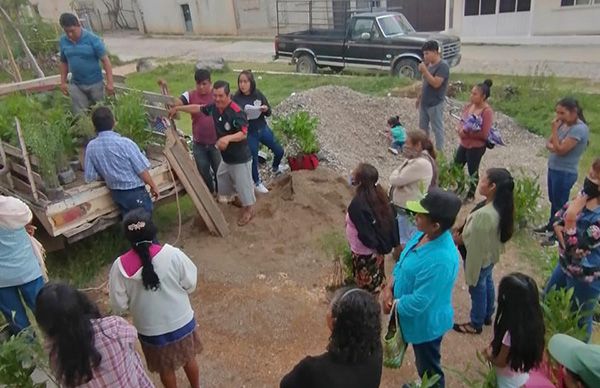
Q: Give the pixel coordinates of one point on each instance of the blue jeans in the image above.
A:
(584, 294)
(207, 158)
(560, 184)
(264, 136)
(428, 360)
(11, 303)
(482, 298)
(128, 200)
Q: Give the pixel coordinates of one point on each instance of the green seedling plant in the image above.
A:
(527, 193)
(562, 314)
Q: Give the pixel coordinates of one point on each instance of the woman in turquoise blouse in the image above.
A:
(423, 279)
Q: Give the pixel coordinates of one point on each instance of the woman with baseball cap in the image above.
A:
(423, 279)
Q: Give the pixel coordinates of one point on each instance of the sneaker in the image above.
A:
(260, 188)
(393, 150)
(543, 230)
(281, 169)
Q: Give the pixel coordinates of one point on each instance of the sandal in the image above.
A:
(245, 218)
(466, 328)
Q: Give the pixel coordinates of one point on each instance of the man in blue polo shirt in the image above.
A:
(81, 52)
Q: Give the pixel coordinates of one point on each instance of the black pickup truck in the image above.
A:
(374, 40)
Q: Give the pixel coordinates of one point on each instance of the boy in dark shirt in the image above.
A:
(234, 175)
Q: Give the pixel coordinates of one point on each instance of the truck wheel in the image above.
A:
(306, 64)
(407, 68)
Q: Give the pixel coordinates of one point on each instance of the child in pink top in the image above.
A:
(518, 344)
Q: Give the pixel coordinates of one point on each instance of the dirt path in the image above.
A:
(575, 61)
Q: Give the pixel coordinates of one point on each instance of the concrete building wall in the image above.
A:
(52, 9)
(208, 16)
(549, 18)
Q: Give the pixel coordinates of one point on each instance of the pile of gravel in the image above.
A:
(351, 130)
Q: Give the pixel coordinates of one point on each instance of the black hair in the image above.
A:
(504, 201)
(222, 85)
(140, 231)
(103, 119)
(572, 105)
(250, 76)
(369, 191)
(68, 20)
(486, 88)
(431, 45)
(444, 222)
(394, 121)
(64, 313)
(201, 75)
(356, 326)
(519, 313)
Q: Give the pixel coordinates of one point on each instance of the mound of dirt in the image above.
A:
(353, 131)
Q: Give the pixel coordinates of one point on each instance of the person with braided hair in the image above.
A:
(149, 280)
(486, 231)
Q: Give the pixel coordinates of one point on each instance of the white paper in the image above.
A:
(253, 112)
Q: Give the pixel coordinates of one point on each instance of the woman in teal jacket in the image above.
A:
(423, 279)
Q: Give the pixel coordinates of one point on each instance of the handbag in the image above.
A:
(394, 346)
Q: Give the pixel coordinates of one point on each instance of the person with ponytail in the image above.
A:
(567, 142)
(473, 130)
(371, 228)
(153, 282)
(486, 231)
(86, 349)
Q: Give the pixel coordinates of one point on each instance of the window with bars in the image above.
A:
(507, 6)
(567, 3)
(480, 7)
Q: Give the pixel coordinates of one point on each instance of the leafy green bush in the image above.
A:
(20, 356)
(527, 192)
(559, 315)
(452, 177)
(301, 128)
(335, 246)
(131, 118)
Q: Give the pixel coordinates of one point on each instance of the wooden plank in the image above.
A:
(26, 159)
(156, 111)
(21, 170)
(180, 160)
(16, 152)
(34, 84)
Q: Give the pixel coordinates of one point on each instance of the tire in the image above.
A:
(306, 64)
(408, 68)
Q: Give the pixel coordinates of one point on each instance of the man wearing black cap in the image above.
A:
(424, 277)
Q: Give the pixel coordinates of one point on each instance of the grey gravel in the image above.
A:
(351, 130)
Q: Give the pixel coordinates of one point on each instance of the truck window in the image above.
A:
(394, 25)
(362, 25)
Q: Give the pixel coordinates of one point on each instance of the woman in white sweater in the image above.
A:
(411, 181)
(153, 283)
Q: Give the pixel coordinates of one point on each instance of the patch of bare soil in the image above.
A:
(261, 299)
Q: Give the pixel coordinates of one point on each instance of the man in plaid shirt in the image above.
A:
(120, 163)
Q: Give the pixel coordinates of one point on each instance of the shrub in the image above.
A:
(336, 247)
(559, 315)
(527, 193)
(301, 128)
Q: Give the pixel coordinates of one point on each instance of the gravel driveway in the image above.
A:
(568, 61)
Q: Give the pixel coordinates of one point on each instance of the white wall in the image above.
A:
(208, 16)
(550, 18)
(52, 9)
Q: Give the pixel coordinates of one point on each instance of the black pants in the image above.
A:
(472, 158)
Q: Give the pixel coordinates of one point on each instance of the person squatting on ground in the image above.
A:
(354, 356)
(119, 162)
(489, 226)
(567, 143)
(86, 349)
(473, 130)
(259, 131)
(149, 280)
(423, 279)
(234, 176)
(409, 182)
(430, 103)
(371, 228)
(579, 250)
(518, 343)
(396, 134)
(81, 52)
(21, 275)
(204, 135)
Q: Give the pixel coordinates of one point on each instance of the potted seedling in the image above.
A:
(301, 128)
